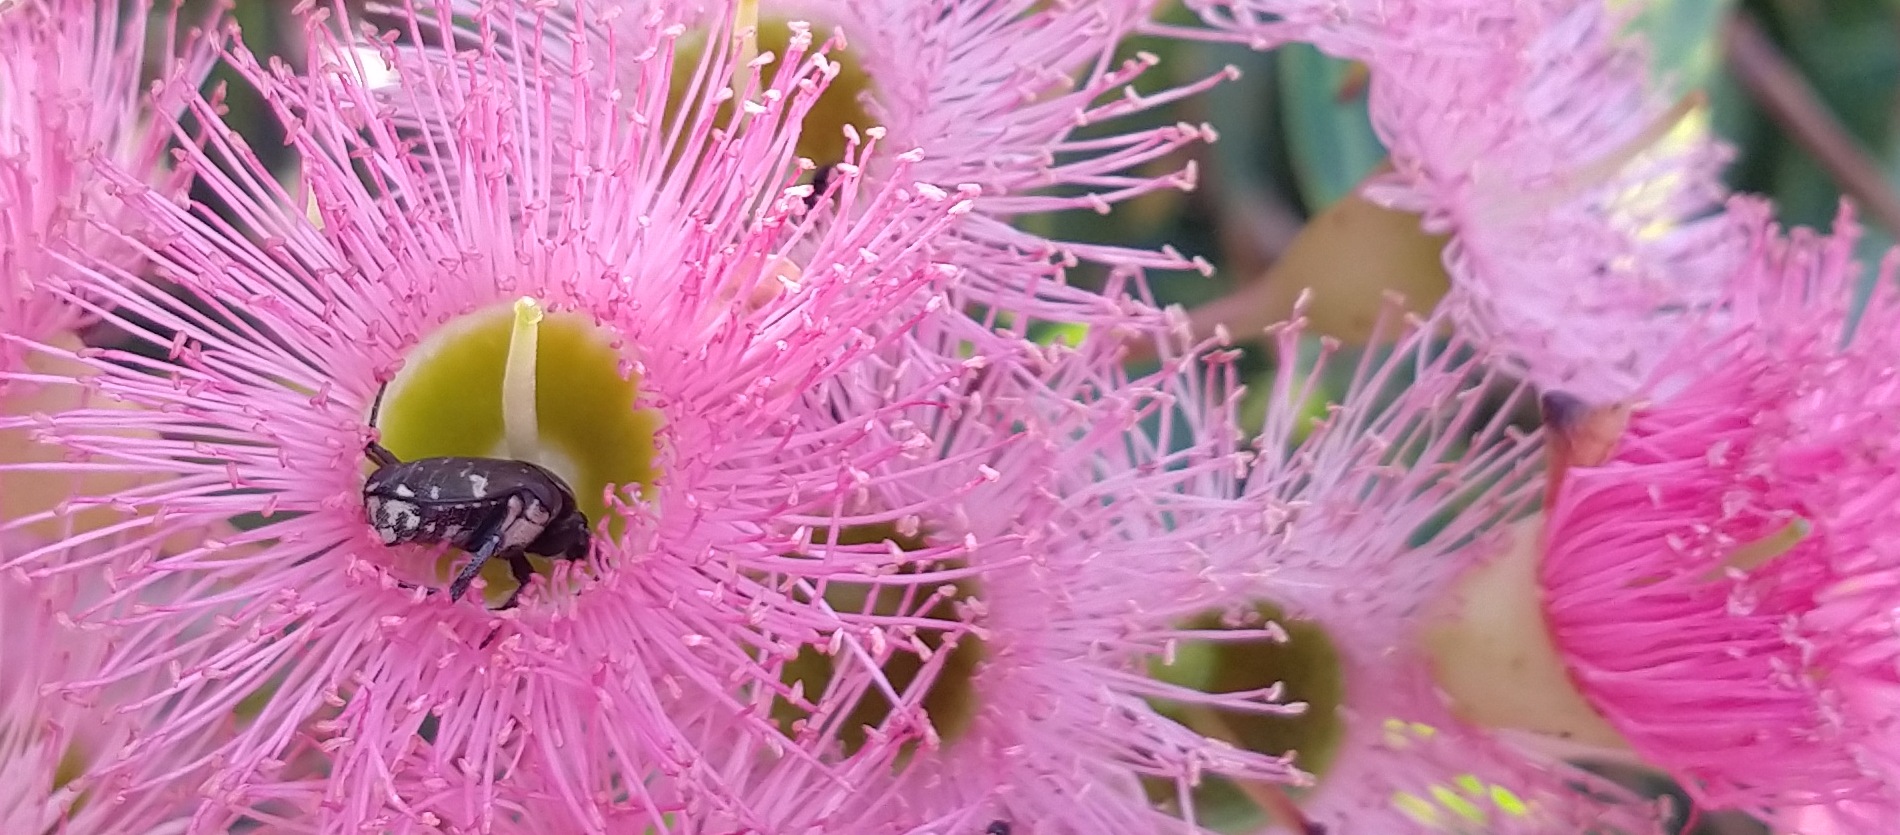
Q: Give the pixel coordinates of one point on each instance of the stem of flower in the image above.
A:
(1787, 99)
(520, 421)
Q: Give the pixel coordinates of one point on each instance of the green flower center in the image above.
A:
(549, 388)
(821, 138)
(1307, 664)
(951, 700)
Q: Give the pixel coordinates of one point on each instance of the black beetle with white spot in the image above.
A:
(489, 507)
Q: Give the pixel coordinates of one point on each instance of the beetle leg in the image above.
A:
(490, 640)
(408, 586)
(490, 543)
(523, 571)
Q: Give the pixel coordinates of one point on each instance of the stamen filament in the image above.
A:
(1268, 798)
(1573, 184)
(520, 421)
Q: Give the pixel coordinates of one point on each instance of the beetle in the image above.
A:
(488, 507)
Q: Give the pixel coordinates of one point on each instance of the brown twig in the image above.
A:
(1255, 229)
(1788, 99)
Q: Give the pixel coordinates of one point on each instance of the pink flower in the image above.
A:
(1355, 534)
(37, 732)
(70, 91)
(996, 95)
(71, 97)
(614, 695)
(59, 750)
(1082, 559)
(1841, 818)
(1721, 587)
(989, 94)
(1531, 133)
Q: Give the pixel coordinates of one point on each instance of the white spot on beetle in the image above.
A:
(435, 492)
(525, 523)
(538, 514)
(477, 485)
(403, 490)
(394, 520)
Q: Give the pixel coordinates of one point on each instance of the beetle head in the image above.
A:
(566, 537)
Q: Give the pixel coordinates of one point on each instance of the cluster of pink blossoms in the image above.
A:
(762, 511)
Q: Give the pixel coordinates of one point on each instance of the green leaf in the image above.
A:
(1329, 136)
(1685, 41)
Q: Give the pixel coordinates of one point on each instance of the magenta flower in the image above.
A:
(1530, 132)
(1355, 535)
(1840, 818)
(989, 95)
(679, 315)
(1720, 589)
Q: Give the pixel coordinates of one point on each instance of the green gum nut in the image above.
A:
(466, 390)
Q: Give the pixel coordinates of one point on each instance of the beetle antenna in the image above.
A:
(381, 455)
(376, 407)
